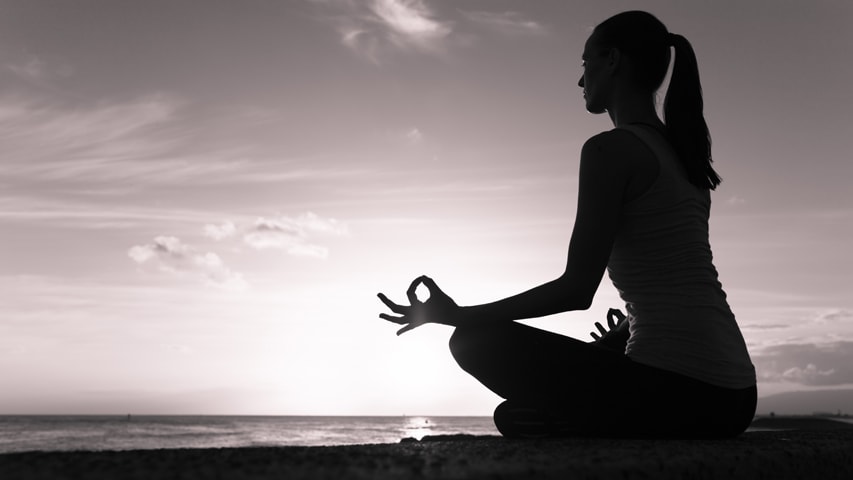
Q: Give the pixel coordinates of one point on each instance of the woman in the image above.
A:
(678, 365)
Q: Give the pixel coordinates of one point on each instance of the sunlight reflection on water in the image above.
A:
(418, 427)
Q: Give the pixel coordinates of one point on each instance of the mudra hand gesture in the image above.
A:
(438, 308)
(616, 335)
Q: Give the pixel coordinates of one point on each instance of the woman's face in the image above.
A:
(595, 80)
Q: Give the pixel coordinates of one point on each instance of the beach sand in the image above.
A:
(809, 448)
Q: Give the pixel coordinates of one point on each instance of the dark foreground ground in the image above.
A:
(810, 448)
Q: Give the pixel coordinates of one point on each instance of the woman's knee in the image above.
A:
(461, 343)
(474, 345)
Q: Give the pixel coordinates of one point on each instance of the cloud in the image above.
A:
(506, 22)
(411, 19)
(414, 136)
(762, 326)
(113, 147)
(810, 375)
(220, 232)
(170, 255)
(807, 364)
(295, 235)
(735, 200)
(374, 28)
(834, 315)
(163, 247)
(361, 41)
(107, 141)
(311, 222)
(35, 70)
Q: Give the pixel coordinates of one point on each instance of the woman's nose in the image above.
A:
(580, 82)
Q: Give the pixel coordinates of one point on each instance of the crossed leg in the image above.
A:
(583, 389)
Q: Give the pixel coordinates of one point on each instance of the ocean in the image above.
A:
(21, 433)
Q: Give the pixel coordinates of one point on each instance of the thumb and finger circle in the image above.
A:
(410, 294)
(403, 311)
(616, 315)
(426, 281)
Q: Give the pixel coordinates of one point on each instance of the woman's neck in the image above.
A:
(634, 108)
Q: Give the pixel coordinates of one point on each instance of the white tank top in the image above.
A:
(661, 264)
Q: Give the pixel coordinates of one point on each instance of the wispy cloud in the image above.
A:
(170, 255)
(432, 185)
(105, 141)
(297, 236)
(808, 364)
(410, 19)
(763, 326)
(222, 231)
(506, 22)
(35, 70)
(834, 315)
(414, 136)
(96, 214)
(374, 28)
(116, 146)
(735, 200)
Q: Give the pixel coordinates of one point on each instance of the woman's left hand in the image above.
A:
(615, 319)
(438, 308)
(617, 336)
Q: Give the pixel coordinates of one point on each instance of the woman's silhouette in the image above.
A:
(678, 364)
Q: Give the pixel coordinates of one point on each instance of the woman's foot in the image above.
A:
(517, 420)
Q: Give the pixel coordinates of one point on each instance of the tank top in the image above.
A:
(661, 264)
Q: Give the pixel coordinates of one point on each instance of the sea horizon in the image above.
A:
(57, 432)
(112, 432)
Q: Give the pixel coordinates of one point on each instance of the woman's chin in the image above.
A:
(592, 107)
(595, 110)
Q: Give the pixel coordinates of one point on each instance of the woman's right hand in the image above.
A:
(438, 308)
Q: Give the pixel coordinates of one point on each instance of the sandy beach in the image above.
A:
(806, 448)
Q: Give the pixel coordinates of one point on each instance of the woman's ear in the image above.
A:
(614, 58)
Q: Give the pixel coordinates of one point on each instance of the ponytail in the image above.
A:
(685, 122)
(646, 41)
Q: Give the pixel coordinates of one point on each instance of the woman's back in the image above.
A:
(661, 263)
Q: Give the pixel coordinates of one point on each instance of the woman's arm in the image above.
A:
(605, 171)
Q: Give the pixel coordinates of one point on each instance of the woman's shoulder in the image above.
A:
(621, 156)
(617, 146)
(616, 140)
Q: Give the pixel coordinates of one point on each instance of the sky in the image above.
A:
(200, 200)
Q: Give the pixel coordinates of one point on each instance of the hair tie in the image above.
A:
(670, 39)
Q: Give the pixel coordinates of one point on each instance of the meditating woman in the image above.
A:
(677, 365)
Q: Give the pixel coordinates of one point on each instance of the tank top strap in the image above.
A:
(652, 138)
(660, 147)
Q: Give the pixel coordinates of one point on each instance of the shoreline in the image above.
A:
(808, 450)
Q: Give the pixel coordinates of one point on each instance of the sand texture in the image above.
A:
(819, 452)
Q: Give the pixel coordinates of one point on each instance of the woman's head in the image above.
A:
(643, 47)
(643, 43)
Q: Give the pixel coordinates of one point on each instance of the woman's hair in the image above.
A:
(645, 41)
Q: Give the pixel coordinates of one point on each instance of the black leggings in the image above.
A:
(598, 392)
